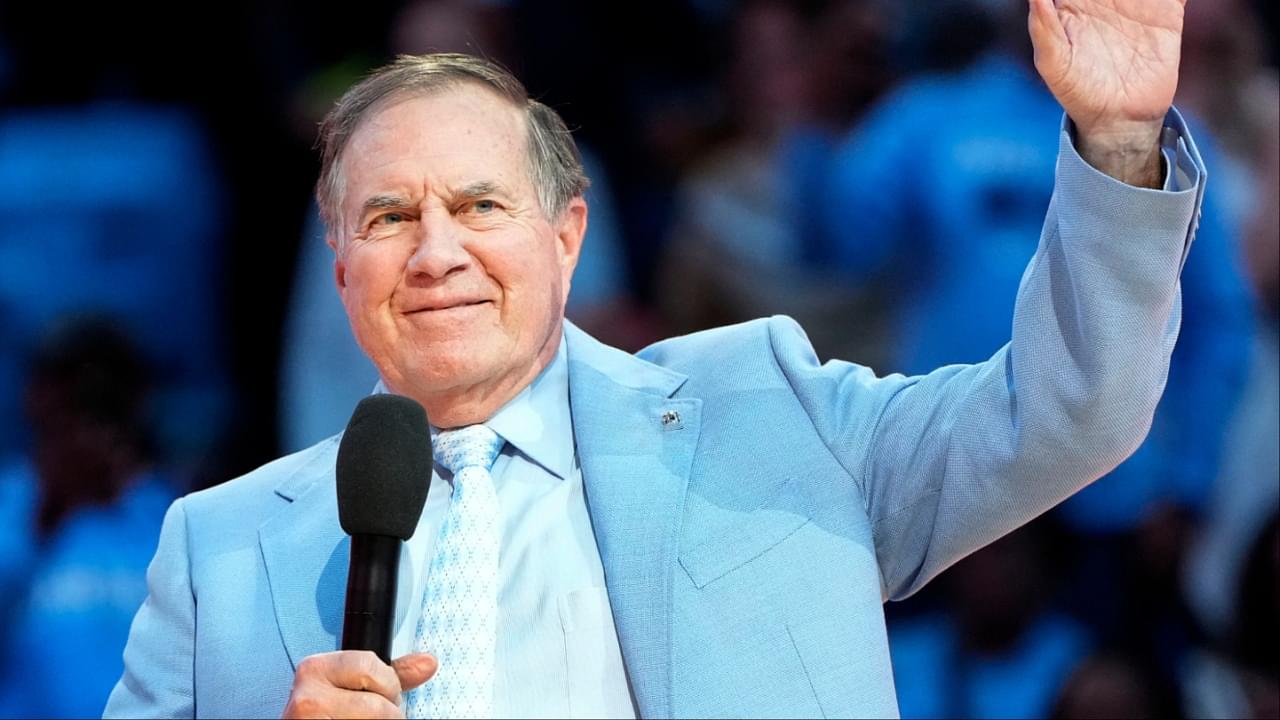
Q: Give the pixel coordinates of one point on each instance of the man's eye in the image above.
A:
(483, 207)
(389, 218)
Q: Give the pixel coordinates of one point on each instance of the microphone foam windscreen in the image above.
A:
(384, 467)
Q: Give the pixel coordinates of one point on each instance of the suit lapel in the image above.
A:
(636, 447)
(306, 555)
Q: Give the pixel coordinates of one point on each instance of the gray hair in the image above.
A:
(554, 163)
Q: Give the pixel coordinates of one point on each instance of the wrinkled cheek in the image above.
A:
(372, 332)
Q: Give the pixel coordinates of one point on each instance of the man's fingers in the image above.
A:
(1047, 36)
(318, 700)
(414, 669)
(1044, 24)
(344, 684)
(352, 670)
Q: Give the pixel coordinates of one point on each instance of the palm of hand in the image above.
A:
(1110, 63)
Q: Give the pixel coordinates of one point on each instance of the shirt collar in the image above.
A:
(536, 422)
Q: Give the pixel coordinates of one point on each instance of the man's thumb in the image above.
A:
(414, 669)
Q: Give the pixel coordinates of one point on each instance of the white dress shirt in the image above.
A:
(557, 653)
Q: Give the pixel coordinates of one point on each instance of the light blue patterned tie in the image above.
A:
(460, 604)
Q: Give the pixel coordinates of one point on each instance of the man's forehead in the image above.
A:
(464, 130)
(466, 108)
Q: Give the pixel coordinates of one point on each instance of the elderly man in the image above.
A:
(710, 528)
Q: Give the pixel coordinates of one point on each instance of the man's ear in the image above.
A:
(339, 262)
(570, 230)
(340, 274)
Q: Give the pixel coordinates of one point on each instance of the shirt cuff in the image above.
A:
(1184, 169)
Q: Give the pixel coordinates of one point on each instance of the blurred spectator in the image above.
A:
(1246, 492)
(1000, 650)
(114, 206)
(323, 372)
(742, 244)
(93, 506)
(943, 190)
(1247, 489)
(1112, 685)
(1239, 677)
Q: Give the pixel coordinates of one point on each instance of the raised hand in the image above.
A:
(1113, 65)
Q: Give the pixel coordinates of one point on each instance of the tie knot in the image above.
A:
(464, 447)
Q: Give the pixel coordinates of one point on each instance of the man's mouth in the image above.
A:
(438, 307)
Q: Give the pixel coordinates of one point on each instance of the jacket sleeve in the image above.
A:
(949, 461)
(159, 659)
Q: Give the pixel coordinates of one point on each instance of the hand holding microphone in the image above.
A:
(383, 472)
(355, 684)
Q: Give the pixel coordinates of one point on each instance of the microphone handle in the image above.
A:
(371, 594)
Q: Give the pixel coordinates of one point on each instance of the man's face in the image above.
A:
(452, 275)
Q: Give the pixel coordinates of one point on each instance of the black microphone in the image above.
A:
(383, 472)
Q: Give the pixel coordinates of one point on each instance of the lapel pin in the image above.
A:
(671, 420)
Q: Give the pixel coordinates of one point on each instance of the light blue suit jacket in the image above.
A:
(753, 508)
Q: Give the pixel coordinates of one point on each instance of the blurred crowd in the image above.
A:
(877, 169)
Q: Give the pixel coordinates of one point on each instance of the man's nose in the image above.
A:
(439, 249)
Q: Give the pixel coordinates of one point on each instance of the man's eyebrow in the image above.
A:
(480, 189)
(385, 202)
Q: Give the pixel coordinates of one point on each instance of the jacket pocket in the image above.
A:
(740, 537)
